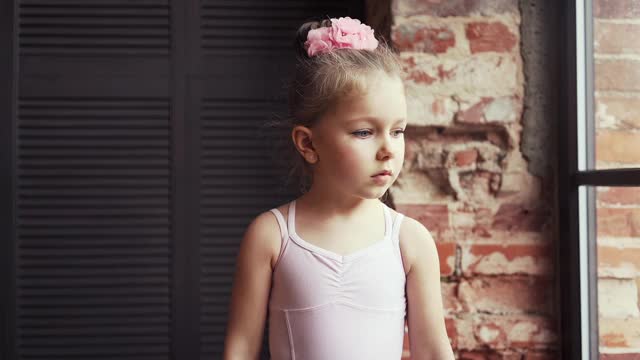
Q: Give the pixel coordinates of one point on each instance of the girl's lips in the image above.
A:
(381, 179)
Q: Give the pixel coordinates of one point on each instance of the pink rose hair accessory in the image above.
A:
(344, 33)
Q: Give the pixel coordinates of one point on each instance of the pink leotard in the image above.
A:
(326, 306)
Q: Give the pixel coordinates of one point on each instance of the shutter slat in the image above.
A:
(93, 292)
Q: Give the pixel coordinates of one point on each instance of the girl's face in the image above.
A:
(360, 137)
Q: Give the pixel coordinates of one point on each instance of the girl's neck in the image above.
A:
(332, 203)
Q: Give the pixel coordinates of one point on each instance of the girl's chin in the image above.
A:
(375, 193)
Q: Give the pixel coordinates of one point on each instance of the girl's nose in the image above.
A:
(384, 152)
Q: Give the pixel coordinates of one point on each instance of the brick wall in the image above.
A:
(617, 98)
(467, 180)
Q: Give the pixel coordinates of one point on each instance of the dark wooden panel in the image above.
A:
(93, 257)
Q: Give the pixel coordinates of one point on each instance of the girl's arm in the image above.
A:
(251, 286)
(427, 332)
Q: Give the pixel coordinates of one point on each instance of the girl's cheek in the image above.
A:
(349, 156)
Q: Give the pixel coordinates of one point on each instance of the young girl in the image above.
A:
(336, 270)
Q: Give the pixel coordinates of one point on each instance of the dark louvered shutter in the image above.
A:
(246, 57)
(134, 161)
(93, 169)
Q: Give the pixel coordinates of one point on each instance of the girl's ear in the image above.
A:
(302, 136)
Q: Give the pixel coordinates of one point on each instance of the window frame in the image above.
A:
(577, 179)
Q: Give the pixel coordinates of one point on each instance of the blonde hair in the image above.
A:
(319, 82)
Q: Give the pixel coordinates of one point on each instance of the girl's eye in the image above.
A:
(361, 133)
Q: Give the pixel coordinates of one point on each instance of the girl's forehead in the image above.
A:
(384, 100)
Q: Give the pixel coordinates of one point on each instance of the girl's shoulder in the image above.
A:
(413, 237)
(264, 234)
(284, 210)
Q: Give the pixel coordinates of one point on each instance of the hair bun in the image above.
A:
(301, 35)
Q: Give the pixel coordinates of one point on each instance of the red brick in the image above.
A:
(447, 257)
(481, 222)
(495, 182)
(450, 301)
(498, 137)
(425, 74)
(426, 109)
(466, 157)
(624, 112)
(463, 219)
(541, 355)
(409, 62)
(492, 259)
(611, 38)
(444, 74)
(453, 7)
(617, 297)
(622, 356)
(460, 331)
(618, 146)
(490, 355)
(481, 231)
(490, 36)
(515, 331)
(613, 339)
(411, 150)
(438, 107)
(624, 222)
(475, 113)
(483, 216)
(616, 9)
(487, 74)
(475, 186)
(452, 331)
(433, 217)
(515, 217)
(431, 153)
(490, 110)
(617, 74)
(618, 262)
(417, 37)
(421, 77)
(508, 295)
(619, 332)
(619, 195)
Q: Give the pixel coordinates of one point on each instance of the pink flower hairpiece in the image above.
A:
(344, 33)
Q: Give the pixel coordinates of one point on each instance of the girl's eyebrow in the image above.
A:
(374, 119)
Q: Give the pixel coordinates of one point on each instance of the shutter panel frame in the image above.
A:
(8, 106)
